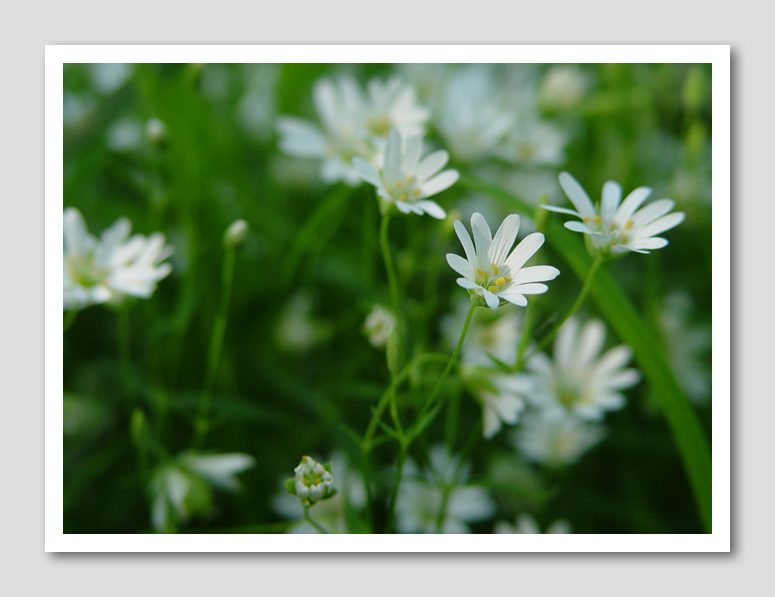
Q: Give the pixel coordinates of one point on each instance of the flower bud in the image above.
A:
(236, 234)
(155, 132)
(378, 325)
(313, 481)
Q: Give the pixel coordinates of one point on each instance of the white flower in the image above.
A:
(554, 437)
(618, 228)
(686, 346)
(526, 524)
(580, 379)
(111, 267)
(563, 86)
(475, 114)
(353, 125)
(491, 333)
(535, 141)
(421, 497)
(501, 395)
(378, 325)
(313, 481)
(405, 180)
(183, 487)
(490, 272)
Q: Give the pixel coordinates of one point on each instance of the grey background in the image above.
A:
(28, 27)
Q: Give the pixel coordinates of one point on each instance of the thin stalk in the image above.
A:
(450, 363)
(388, 259)
(202, 425)
(447, 491)
(125, 350)
(308, 518)
(402, 451)
(575, 307)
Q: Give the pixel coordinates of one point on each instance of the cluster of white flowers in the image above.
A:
(571, 393)
(354, 124)
(111, 267)
(527, 525)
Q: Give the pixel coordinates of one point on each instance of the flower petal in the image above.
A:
(630, 204)
(482, 239)
(536, 273)
(439, 183)
(367, 171)
(577, 195)
(612, 196)
(524, 251)
(492, 301)
(465, 240)
(661, 225)
(504, 239)
(431, 164)
(460, 265)
(432, 208)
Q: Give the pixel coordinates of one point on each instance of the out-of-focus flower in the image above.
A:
(490, 272)
(183, 487)
(579, 379)
(354, 125)
(422, 496)
(297, 328)
(313, 482)
(500, 394)
(236, 234)
(527, 525)
(535, 141)
(554, 437)
(330, 513)
(475, 114)
(686, 346)
(562, 87)
(124, 135)
(405, 180)
(618, 228)
(491, 333)
(155, 131)
(111, 267)
(378, 325)
(107, 77)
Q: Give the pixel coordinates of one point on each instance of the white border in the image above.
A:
(719, 541)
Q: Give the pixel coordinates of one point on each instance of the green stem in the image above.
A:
(575, 307)
(402, 451)
(124, 349)
(388, 259)
(202, 424)
(308, 518)
(69, 319)
(450, 363)
(447, 491)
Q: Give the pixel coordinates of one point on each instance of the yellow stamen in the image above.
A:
(481, 273)
(628, 225)
(409, 179)
(403, 197)
(500, 281)
(597, 220)
(398, 184)
(613, 242)
(586, 219)
(389, 190)
(493, 288)
(494, 269)
(624, 240)
(416, 192)
(507, 279)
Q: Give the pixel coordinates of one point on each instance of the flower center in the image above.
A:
(617, 234)
(404, 190)
(85, 272)
(494, 278)
(380, 125)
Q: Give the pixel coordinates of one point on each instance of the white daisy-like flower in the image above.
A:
(618, 227)
(111, 267)
(535, 141)
(354, 124)
(421, 496)
(527, 525)
(554, 437)
(501, 396)
(563, 87)
(579, 379)
(406, 180)
(490, 272)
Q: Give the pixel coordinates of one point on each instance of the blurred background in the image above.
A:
(186, 149)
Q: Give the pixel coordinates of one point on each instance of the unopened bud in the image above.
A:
(155, 131)
(236, 234)
(313, 481)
